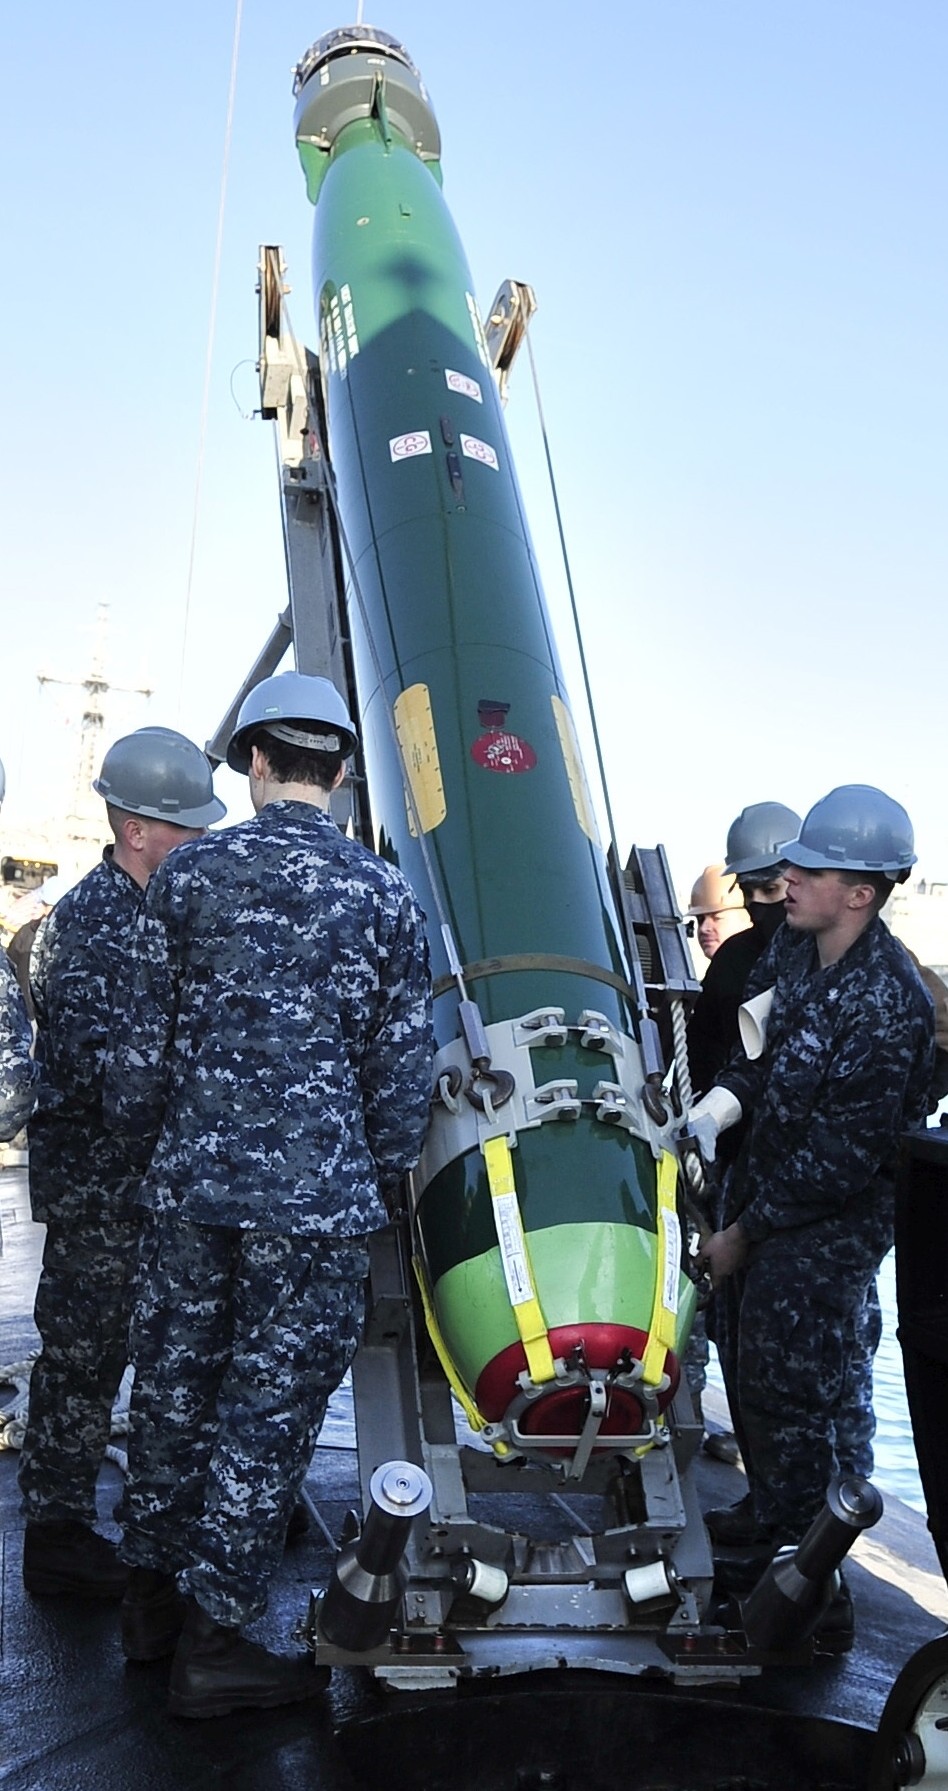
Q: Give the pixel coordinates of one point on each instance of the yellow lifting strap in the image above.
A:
(515, 1259)
(663, 1326)
(475, 1418)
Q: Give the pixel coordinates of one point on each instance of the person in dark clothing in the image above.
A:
(844, 1067)
(270, 1066)
(20, 948)
(158, 793)
(753, 856)
(753, 866)
(716, 909)
(753, 860)
(17, 1069)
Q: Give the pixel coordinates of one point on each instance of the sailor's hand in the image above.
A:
(712, 1114)
(701, 1129)
(724, 1252)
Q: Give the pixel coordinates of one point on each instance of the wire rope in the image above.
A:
(211, 331)
(572, 596)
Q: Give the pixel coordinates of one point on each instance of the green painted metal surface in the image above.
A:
(564, 1171)
(589, 1273)
(448, 594)
(443, 593)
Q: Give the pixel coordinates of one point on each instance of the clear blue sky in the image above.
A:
(734, 215)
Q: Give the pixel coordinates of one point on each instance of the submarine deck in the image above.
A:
(78, 1716)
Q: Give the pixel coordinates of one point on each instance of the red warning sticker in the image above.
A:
(499, 751)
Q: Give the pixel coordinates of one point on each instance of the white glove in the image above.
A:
(712, 1114)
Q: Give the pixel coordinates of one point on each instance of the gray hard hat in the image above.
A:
(287, 705)
(752, 840)
(160, 774)
(855, 828)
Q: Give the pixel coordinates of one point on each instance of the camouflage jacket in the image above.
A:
(845, 1070)
(78, 1169)
(272, 1036)
(17, 1070)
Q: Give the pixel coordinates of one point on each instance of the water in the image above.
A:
(896, 1468)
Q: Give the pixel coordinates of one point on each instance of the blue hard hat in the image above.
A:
(289, 698)
(855, 828)
(160, 773)
(752, 839)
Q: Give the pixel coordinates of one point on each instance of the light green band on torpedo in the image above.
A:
(584, 1274)
(315, 165)
(384, 230)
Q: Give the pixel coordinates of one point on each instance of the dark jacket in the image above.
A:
(845, 1070)
(78, 1168)
(272, 1034)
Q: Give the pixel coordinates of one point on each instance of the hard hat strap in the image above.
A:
(297, 737)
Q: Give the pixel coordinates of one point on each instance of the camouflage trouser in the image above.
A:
(856, 1419)
(786, 1332)
(695, 1361)
(82, 1311)
(238, 1340)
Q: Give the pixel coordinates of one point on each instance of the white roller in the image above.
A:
(643, 1583)
(488, 1583)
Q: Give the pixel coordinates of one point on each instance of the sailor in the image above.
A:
(17, 1070)
(753, 863)
(844, 1068)
(752, 874)
(158, 793)
(272, 1047)
(717, 907)
(20, 948)
(753, 858)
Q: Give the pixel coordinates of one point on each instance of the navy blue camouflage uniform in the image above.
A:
(17, 1070)
(272, 1043)
(81, 1186)
(846, 1069)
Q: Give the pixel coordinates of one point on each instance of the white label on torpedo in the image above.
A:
(671, 1235)
(513, 1252)
(403, 447)
(478, 450)
(459, 382)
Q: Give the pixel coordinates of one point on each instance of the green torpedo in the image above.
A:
(547, 1238)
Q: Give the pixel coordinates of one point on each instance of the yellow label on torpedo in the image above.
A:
(575, 771)
(414, 725)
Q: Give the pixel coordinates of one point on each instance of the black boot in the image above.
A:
(215, 1670)
(69, 1557)
(722, 1445)
(152, 1615)
(737, 1526)
(298, 1526)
